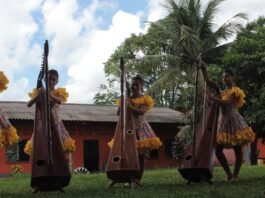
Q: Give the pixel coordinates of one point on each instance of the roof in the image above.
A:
(89, 112)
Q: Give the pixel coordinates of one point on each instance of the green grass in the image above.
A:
(156, 183)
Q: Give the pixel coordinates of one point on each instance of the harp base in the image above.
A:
(196, 175)
(131, 184)
(49, 183)
(124, 176)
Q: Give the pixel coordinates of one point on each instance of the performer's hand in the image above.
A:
(40, 91)
(55, 99)
(129, 103)
(209, 95)
(52, 99)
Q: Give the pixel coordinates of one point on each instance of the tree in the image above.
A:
(165, 56)
(189, 28)
(108, 94)
(191, 32)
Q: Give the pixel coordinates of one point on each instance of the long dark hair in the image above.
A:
(230, 72)
(140, 79)
(53, 72)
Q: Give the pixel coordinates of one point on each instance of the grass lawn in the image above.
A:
(156, 183)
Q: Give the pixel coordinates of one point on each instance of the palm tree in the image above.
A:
(194, 26)
(190, 32)
(169, 49)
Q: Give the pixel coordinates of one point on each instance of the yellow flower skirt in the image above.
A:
(28, 148)
(146, 144)
(68, 146)
(8, 136)
(241, 137)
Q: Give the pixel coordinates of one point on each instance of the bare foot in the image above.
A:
(35, 190)
(229, 178)
(234, 178)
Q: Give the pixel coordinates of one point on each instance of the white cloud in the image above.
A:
(17, 29)
(228, 9)
(16, 50)
(69, 27)
(80, 46)
(77, 43)
(156, 10)
(88, 71)
(17, 90)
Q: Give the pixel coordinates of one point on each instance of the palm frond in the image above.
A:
(190, 42)
(179, 10)
(228, 29)
(149, 61)
(194, 13)
(161, 26)
(211, 54)
(207, 19)
(164, 81)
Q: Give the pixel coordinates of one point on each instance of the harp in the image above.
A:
(49, 167)
(123, 163)
(196, 164)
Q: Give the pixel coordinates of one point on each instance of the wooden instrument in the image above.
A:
(49, 167)
(197, 162)
(123, 163)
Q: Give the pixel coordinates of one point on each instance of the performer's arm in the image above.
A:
(231, 100)
(118, 111)
(141, 110)
(34, 98)
(55, 99)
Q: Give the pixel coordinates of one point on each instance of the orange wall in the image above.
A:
(80, 132)
(24, 129)
(230, 156)
(261, 149)
(103, 132)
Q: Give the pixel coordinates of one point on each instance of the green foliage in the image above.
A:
(215, 73)
(108, 93)
(183, 138)
(165, 55)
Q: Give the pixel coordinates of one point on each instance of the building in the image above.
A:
(261, 151)
(91, 126)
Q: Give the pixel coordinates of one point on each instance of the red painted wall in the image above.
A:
(101, 131)
(261, 149)
(230, 156)
(24, 130)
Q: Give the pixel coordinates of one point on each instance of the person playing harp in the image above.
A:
(50, 140)
(232, 129)
(139, 105)
(58, 96)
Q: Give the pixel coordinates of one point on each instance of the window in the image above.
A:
(168, 147)
(15, 152)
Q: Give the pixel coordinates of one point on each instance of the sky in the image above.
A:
(82, 35)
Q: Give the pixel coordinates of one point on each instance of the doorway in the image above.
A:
(91, 155)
